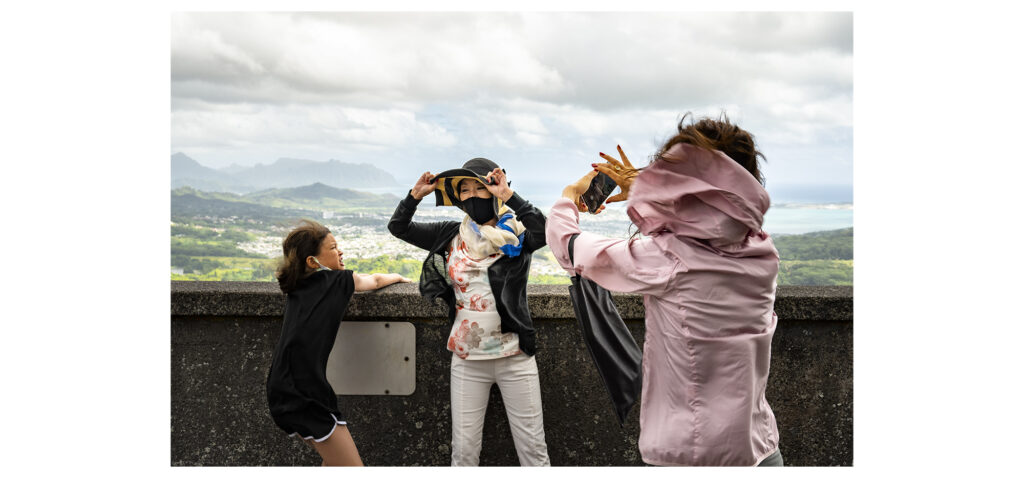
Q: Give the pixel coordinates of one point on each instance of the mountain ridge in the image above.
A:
(276, 202)
(282, 173)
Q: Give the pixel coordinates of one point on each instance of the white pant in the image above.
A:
(519, 383)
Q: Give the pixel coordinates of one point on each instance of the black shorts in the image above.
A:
(316, 426)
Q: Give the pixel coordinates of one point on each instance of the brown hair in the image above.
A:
(712, 134)
(721, 135)
(302, 242)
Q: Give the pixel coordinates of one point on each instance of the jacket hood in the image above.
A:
(703, 195)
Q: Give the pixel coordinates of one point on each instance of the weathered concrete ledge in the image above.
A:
(264, 299)
(223, 335)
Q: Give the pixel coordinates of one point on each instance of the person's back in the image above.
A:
(713, 324)
(708, 275)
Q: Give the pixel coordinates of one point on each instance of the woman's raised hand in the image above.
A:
(575, 192)
(622, 173)
(424, 186)
(499, 188)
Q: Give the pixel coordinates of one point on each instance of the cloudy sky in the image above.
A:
(539, 93)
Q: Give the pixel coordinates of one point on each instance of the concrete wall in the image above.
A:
(223, 335)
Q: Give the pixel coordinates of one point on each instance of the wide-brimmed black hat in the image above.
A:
(446, 183)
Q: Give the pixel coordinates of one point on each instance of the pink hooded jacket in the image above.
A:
(707, 274)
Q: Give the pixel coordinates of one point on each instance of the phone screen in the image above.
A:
(600, 188)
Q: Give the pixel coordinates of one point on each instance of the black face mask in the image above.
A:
(480, 210)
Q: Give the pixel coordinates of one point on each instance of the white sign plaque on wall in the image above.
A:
(373, 358)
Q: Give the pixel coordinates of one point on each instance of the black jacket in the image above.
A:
(507, 275)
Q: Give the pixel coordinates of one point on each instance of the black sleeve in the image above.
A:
(419, 234)
(532, 219)
(347, 282)
(341, 286)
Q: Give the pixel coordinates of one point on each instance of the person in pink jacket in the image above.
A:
(707, 273)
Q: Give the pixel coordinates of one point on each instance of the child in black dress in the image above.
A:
(318, 290)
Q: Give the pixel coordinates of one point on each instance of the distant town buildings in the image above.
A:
(365, 236)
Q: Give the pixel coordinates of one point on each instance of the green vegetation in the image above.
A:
(386, 265)
(816, 272)
(209, 233)
(813, 272)
(262, 269)
(550, 279)
(824, 245)
(276, 204)
(191, 241)
(207, 229)
(224, 268)
(816, 258)
(318, 196)
(196, 265)
(185, 246)
(179, 230)
(188, 204)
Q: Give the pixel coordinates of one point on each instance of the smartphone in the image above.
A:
(600, 188)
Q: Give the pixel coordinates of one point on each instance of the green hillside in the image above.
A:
(188, 203)
(319, 196)
(214, 236)
(275, 204)
(822, 245)
(816, 258)
(816, 272)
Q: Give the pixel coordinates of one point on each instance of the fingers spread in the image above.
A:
(611, 160)
(625, 160)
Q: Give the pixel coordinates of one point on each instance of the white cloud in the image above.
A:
(414, 57)
(333, 127)
(548, 89)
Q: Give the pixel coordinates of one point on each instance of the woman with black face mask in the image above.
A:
(480, 266)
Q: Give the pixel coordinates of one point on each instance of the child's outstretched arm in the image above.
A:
(376, 281)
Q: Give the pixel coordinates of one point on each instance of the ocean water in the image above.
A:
(797, 218)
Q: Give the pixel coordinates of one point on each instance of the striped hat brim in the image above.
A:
(445, 183)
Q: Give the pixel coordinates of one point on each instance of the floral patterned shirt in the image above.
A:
(476, 333)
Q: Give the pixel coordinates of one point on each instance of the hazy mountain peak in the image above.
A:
(232, 169)
(291, 162)
(282, 173)
(184, 167)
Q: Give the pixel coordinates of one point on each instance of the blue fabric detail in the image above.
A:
(509, 249)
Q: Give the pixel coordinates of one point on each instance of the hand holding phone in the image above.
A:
(600, 188)
(622, 173)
